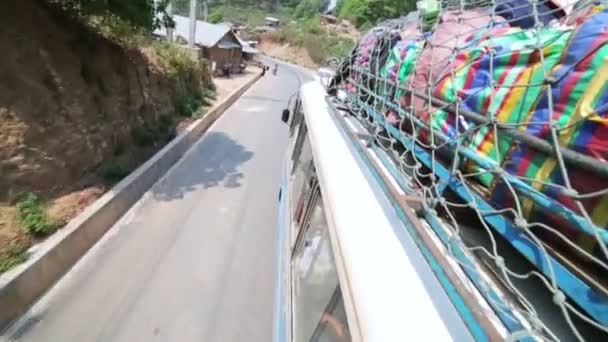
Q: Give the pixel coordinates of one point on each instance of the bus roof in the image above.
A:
(389, 289)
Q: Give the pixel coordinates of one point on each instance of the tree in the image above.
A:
(146, 14)
(216, 16)
(310, 8)
(363, 12)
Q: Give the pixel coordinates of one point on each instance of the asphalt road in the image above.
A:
(194, 259)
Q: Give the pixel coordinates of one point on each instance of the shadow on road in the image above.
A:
(214, 162)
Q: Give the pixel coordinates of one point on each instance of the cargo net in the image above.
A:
(496, 114)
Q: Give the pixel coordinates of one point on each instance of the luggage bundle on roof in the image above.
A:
(512, 99)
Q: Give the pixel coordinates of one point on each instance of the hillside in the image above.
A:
(78, 111)
(306, 36)
(303, 37)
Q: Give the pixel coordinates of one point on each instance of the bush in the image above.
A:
(188, 75)
(121, 31)
(115, 172)
(313, 26)
(369, 12)
(145, 14)
(187, 105)
(216, 16)
(32, 217)
(310, 8)
(14, 255)
(322, 47)
(143, 136)
(209, 95)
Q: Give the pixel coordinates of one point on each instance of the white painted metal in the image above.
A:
(389, 290)
(324, 76)
(192, 36)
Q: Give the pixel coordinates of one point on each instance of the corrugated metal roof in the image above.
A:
(226, 44)
(247, 48)
(207, 34)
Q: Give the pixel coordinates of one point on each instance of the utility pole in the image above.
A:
(169, 29)
(191, 41)
(205, 11)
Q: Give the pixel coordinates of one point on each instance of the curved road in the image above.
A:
(194, 259)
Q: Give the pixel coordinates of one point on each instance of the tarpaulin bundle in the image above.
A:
(500, 126)
(526, 79)
(520, 13)
(585, 9)
(502, 77)
(427, 56)
(577, 104)
(372, 51)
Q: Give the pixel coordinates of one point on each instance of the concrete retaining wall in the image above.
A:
(50, 260)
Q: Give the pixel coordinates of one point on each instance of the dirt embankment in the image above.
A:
(306, 52)
(73, 105)
(286, 52)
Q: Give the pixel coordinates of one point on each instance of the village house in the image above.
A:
(217, 42)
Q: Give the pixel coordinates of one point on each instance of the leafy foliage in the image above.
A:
(368, 12)
(146, 14)
(187, 75)
(216, 16)
(310, 8)
(115, 172)
(32, 216)
(14, 255)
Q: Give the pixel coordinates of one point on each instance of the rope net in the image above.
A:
(496, 113)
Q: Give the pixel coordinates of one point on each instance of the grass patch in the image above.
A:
(32, 217)
(186, 106)
(196, 105)
(119, 30)
(209, 95)
(15, 254)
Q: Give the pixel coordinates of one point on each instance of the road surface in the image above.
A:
(194, 259)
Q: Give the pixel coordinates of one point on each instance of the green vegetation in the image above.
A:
(32, 216)
(120, 31)
(206, 99)
(152, 133)
(300, 27)
(194, 105)
(246, 12)
(145, 14)
(191, 82)
(115, 172)
(130, 24)
(310, 8)
(319, 43)
(216, 16)
(13, 255)
(364, 13)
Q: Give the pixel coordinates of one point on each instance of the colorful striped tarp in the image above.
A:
(501, 76)
(579, 96)
(502, 73)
